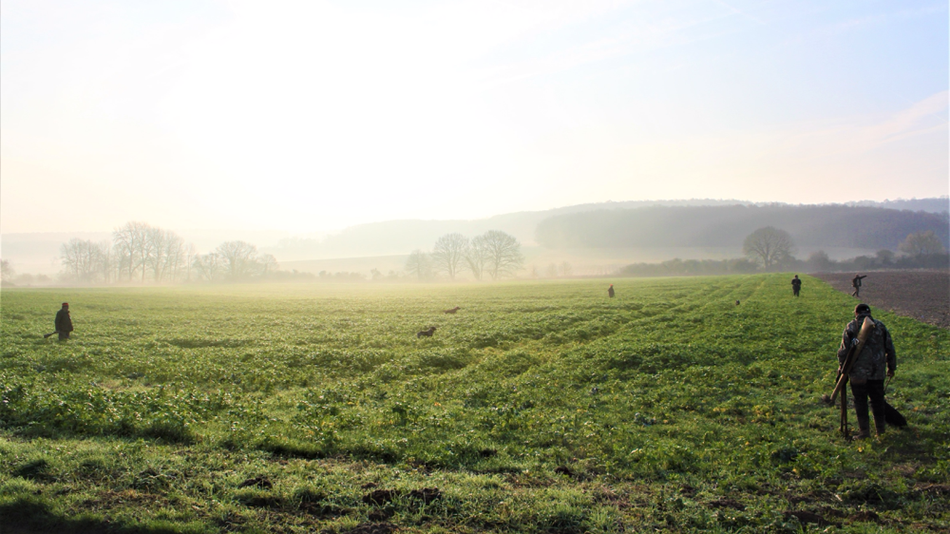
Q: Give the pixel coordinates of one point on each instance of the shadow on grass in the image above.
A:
(27, 516)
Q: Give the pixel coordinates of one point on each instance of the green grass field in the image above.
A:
(538, 407)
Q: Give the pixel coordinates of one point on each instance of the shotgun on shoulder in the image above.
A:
(866, 328)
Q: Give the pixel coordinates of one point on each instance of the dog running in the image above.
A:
(453, 310)
(426, 333)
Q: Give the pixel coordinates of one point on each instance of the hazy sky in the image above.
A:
(316, 115)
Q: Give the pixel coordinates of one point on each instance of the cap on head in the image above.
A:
(65, 304)
(862, 309)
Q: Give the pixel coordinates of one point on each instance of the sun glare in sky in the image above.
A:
(316, 115)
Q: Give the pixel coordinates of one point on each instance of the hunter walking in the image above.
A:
(856, 284)
(876, 360)
(796, 285)
(64, 324)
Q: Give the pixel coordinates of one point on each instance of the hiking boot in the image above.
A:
(879, 425)
(864, 427)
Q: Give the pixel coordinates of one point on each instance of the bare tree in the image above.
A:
(267, 263)
(476, 256)
(420, 265)
(921, 244)
(566, 269)
(143, 251)
(6, 271)
(447, 254)
(108, 271)
(165, 254)
(209, 267)
(240, 258)
(131, 248)
(149, 248)
(502, 253)
(190, 254)
(551, 271)
(85, 261)
(176, 254)
(768, 246)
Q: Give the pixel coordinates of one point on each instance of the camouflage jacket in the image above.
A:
(877, 356)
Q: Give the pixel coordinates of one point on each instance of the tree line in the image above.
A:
(772, 249)
(494, 254)
(143, 253)
(726, 226)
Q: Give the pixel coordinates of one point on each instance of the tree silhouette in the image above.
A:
(420, 265)
(240, 258)
(768, 246)
(476, 256)
(86, 261)
(921, 244)
(502, 253)
(448, 253)
(209, 266)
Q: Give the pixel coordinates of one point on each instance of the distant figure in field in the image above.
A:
(452, 310)
(426, 333)
(64, 324)
(737, 303)
(877, 360)
(856, 284)
(796, 285)
(610, 291)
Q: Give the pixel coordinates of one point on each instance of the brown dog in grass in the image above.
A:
(453, 310)
(426, 333)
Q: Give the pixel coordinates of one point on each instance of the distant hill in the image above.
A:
(721, 222)
(932, 205)
(404, 236)
(723, 226)
(667, 224)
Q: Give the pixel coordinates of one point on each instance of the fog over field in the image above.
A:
(320, 131)
(311, 117)
(583, 240)
(468, 266)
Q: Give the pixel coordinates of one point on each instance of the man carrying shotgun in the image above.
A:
(63, 323)
(876, 359)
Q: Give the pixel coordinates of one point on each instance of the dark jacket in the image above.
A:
(876, 357)
(63, 322)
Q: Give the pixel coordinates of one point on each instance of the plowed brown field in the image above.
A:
(923, 295)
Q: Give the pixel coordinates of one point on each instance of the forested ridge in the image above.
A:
(688, 226)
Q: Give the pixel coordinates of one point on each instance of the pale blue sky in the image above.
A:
(312, 116)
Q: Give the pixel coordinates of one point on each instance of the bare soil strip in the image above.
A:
(922, 295)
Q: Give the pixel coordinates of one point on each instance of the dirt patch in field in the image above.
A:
(922, 295)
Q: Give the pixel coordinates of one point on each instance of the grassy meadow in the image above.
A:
(538, 407)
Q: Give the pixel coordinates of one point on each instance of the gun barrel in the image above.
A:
(866, 328)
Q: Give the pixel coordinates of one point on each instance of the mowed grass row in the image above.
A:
(537, 407)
